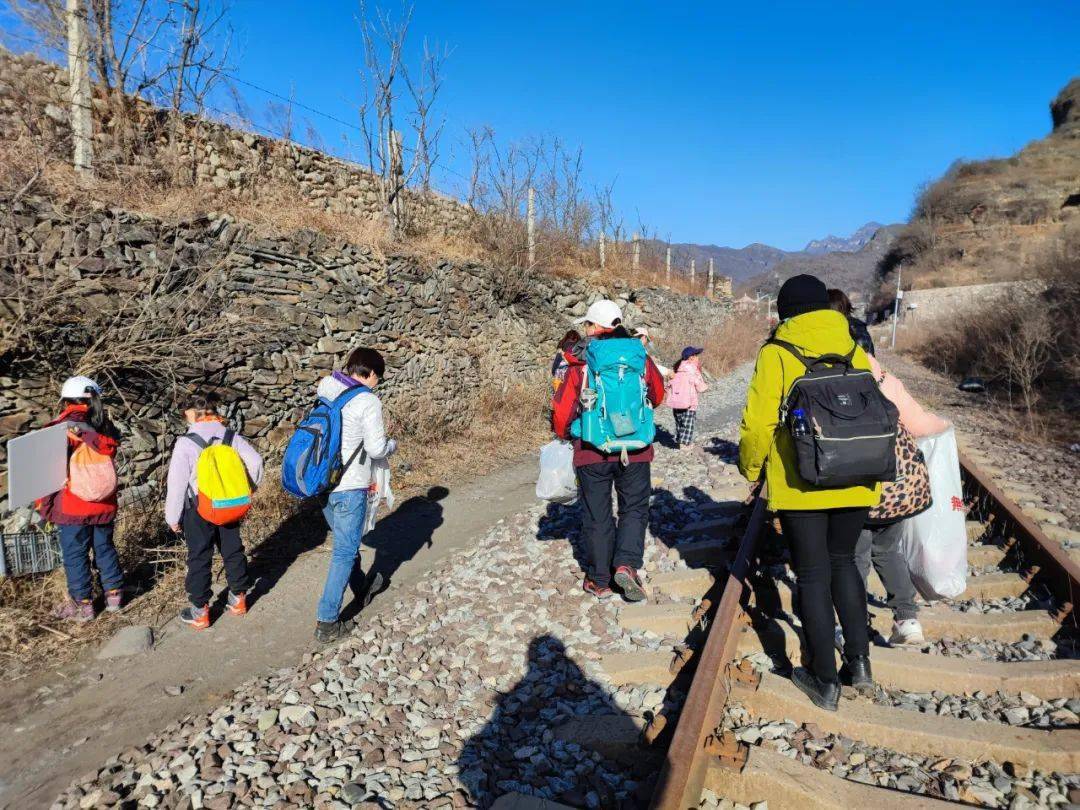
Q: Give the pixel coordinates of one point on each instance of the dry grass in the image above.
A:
(733, 342)
(506, 423)
(1028, 350)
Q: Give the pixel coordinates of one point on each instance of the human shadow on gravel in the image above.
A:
(397, 538)
(542, 733)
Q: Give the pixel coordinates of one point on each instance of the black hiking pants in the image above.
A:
(822, 547)
(201, 537)
(609, 544)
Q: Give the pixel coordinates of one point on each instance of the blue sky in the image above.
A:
(724, 123)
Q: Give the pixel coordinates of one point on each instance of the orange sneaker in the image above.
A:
(237, 603)
(199, 618)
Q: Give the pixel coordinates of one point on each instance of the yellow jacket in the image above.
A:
(814, 333)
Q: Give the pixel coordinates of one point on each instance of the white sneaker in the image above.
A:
(907, 631)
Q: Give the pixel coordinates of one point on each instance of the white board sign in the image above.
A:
(37, 464)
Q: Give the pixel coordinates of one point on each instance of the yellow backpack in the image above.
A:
(223, 490)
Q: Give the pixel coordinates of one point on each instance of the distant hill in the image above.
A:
(852, 271)
(838, 244)
(756, 260)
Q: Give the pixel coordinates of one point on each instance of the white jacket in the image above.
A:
(361, 421)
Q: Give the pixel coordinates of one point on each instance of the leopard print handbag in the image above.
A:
(909, 494)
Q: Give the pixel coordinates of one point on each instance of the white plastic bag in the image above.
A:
(557, 481)
(935, 542)
(379, 492)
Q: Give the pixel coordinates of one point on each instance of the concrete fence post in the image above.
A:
(531, 225)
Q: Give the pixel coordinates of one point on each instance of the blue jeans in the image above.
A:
(345, 513)
(75, 542)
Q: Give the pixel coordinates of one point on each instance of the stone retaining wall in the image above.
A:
(33, 95)
(283, 311)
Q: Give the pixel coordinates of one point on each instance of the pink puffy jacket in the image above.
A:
(917, 420)
(684, 387)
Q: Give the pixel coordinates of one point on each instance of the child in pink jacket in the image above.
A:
(682, 394)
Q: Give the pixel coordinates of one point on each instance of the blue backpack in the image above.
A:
(312, 462)
(616, 416)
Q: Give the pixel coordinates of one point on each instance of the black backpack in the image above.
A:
(843, 428)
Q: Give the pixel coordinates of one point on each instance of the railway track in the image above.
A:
(741, 636)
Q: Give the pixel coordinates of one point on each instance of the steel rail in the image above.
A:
(1057, 570)
(682, 775)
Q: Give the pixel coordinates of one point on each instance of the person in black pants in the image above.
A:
(822, 545)
(821, 525)
(616, 551)
(614, 548)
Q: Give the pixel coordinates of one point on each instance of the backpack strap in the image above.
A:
(200, 442)
(226, 440)
(831, 359)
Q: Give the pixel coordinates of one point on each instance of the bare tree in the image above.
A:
(279, 116)
(386, 80)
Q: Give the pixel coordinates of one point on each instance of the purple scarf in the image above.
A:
(345, 379)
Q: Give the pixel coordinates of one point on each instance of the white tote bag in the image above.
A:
(557, 481)
(935, 541)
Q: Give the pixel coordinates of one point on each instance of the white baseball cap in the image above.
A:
(78, 388)
(603, 313)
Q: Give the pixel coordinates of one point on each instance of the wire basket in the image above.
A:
(29, 552)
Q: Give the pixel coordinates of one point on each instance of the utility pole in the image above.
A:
(637, 250)
(896, 305)
(603, 250)
(711, 278)
(397, 182)
(693, 271)
(667, 266)
(82, 125)
(532, 228)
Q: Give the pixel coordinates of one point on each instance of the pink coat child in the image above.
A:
(686, 385)
(682, 394)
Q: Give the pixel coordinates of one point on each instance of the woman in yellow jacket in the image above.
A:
(821, 526)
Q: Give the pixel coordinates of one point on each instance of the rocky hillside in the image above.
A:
(995, 220)
(840, 244)
(854, 272)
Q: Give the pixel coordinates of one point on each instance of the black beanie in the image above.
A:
(799, 294)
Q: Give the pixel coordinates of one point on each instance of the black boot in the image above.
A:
(858, 670)
(329, 632)
(824, 694)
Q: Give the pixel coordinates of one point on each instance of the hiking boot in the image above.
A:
(236, 603)
(823, 694)
(858, 671)
(907, 631)
(329, 632)
(114, 600)
(197, 617)
(630, 584)
(599, 591)
(72, 611)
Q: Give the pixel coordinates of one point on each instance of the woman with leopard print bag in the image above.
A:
(907, 496)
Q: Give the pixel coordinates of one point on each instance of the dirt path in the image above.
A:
(57, 726)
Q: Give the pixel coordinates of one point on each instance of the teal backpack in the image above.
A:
(616, 416)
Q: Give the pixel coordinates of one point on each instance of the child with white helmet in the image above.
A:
(84, 510)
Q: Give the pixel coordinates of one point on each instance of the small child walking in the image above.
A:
(683, 390)
(84, 510)
(206, 428)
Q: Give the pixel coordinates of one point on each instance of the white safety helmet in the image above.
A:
(78, 388)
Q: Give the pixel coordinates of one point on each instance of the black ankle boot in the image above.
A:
(824, 694)
(858, 670)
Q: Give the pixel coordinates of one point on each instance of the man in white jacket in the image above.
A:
(363, 439)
